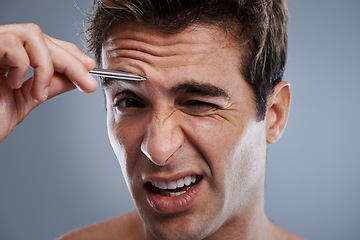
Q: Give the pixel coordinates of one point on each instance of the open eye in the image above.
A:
(128, 102)
(196, 107)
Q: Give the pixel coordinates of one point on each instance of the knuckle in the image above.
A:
(73, 47)
(70, 47)
(34, 28)
(10, 43)
(8, 38)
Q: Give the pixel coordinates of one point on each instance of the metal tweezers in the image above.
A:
(116, 74)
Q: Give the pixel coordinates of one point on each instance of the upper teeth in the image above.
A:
(186, 181)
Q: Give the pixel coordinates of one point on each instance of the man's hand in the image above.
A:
(58, 67)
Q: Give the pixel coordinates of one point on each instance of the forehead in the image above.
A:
(200, 53)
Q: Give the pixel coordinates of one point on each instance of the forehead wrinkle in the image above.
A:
(126, 47)
(169, 56)
(159, 44)
(146, 47)
(173, 61)
(157, 50)
(157, 38)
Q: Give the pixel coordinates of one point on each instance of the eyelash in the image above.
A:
(132, 101)
(197, 102)
(128, 102)
(189, 103)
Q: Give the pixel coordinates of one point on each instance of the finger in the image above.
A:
(72, 67)
(23, 97)
(40, 60)
(60, 84)
(74, 50)
(34, 44)
(13, 59)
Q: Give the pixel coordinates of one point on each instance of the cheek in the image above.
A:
(246, 168)
(117, 145)
(234, 150)
(215, 138)
(125, 142)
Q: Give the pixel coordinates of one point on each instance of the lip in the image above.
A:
(164, 204)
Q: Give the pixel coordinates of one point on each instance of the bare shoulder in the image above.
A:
(128, 225)
(291, 236)
(281, 233)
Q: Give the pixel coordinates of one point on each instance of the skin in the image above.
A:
(182, 132)
(177, 129)
(59, 67)
(165, 143)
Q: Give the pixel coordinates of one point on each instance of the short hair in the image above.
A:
(260, 27)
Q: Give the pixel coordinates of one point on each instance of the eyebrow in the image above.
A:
(106, 81)
(206, 90)
(195, 88)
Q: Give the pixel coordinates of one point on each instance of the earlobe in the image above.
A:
(277, 111)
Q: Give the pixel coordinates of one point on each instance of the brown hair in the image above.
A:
(260, 27)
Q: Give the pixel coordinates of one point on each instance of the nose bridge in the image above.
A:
(163, 136)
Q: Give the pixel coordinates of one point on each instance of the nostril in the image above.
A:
(159, 152)
(162, 139)
(157, 155)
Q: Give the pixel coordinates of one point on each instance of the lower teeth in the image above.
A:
(171, 194)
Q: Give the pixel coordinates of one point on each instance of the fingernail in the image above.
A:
(19, 85)
(46, 92)
(77, 86)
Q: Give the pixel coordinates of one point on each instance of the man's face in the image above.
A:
(187, 139)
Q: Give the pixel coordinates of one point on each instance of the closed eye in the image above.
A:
(196, 107)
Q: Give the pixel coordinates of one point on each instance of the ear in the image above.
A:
(277, 111)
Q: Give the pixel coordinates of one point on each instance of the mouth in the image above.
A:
(173, 196)
(175, 188)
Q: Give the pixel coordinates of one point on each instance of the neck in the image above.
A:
(249, 222)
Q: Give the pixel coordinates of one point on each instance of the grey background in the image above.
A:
(58, 171)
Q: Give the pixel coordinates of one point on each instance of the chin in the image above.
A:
(179, 227)
(164, 233)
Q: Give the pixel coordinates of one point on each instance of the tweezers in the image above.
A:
(116, 74)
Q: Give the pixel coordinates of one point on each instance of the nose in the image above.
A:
(162, 139)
